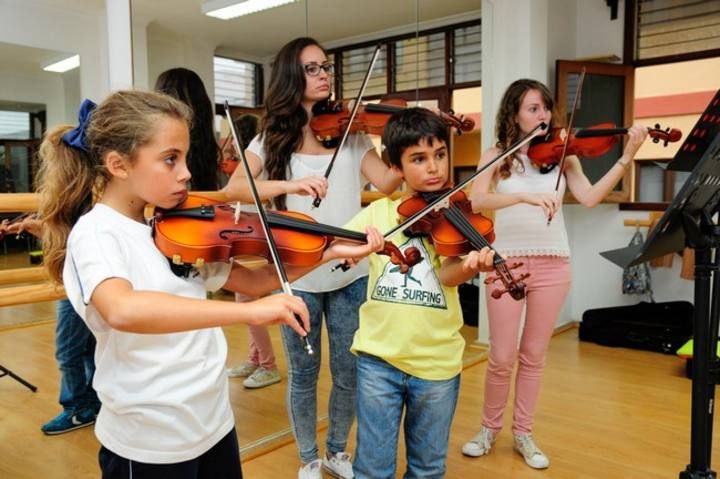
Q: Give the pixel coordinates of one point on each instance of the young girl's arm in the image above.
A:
(239, 189)
(383, 177)
(483, 199)
(149, 312)
(455, 271)
(261, 281)
(590, 195)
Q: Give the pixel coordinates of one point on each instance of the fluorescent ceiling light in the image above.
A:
(63, 65)
(227, 9)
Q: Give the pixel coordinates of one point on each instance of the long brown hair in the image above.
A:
(506, 129)
(282, 124)
(69, 179)
(204, 153)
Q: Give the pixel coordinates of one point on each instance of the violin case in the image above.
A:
(661, 327)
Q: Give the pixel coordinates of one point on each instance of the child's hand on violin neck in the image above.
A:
(315, 186)
(353, 252)
(280, 308)
(477, 261)
(549, 202)
(636, 137)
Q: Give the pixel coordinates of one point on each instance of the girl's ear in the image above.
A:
(117, 165)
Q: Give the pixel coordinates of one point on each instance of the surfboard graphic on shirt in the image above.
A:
(420, 286)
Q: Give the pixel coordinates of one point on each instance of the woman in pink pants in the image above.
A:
(524, 197)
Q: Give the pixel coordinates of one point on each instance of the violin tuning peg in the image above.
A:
(199, 263)
(497, 293)
(176, 259)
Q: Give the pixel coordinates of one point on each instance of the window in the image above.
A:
(466, 58)
(237, 82)
(447, 57)
(672, 30)
(354, 66)
(14, 125)
(654, 184)
(419, 62)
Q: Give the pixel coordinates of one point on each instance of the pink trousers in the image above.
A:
(261, 351)
(547, 288)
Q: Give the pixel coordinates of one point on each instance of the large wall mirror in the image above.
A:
(242, 49)
(175, 33)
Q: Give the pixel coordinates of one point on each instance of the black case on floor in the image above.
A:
(662, 327)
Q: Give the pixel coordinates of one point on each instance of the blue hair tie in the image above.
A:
(75, 138)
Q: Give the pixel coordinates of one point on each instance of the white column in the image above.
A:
(119, 44)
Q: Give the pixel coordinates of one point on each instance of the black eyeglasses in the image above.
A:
(313, 69)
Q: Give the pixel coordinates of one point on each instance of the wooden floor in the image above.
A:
(603, 413)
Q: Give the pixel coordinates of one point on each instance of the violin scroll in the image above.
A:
(514, 286)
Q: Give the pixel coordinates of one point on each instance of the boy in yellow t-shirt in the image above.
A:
(408, 342)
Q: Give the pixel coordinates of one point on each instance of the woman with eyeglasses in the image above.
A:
(289, 163)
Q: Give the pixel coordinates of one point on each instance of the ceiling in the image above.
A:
(259, 36)
(329, 21)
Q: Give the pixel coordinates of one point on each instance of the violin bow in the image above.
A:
(445, 196)
(272, 247)
(561, 164)
(366, 80)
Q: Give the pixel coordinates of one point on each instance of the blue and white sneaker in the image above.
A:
(69, 420)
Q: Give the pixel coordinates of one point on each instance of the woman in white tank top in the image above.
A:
(524, 198)
(290, 162)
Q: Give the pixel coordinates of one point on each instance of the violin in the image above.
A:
(201, 230)
(455, 230)
(546, 151)
(330, 119)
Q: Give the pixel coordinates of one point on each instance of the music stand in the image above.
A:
(6, 372)
(690, 222)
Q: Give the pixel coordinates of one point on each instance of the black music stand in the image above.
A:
(690, 221)
(6, 372)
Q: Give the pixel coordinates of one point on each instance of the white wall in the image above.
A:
(43, 25)
(36, 88)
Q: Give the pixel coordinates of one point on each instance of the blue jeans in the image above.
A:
(340, 308)
(383, 391)
(74, 351)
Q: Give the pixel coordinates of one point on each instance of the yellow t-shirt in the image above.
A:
(411, 320)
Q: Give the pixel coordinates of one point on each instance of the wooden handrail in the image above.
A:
(22, 275)
(24, 202)
(30, 294)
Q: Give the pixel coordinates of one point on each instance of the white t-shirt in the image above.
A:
(339, 206)
(164, 396)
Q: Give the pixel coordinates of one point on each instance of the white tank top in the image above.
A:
(522, 229)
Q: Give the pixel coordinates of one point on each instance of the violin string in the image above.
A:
(457, 218)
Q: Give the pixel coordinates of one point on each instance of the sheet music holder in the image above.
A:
(690, 221)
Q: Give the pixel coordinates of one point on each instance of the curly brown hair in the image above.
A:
(506, 129)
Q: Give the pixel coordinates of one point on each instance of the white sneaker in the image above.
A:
(480, 444)
(242, 370)
(532, 454)
(338, 465)
(262, 377)
(311, 470)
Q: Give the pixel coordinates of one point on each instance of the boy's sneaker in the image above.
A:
(480, 444)
(242, 370)
(532, 454)
(262, 377)
(311, 470)
(68, 421)
(338, 465)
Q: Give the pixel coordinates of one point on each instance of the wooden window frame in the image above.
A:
(567, 67)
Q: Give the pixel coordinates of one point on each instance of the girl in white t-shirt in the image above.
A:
(291, 161)
(160, 349)
(524, 198)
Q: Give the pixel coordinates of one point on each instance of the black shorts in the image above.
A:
(222, 461)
